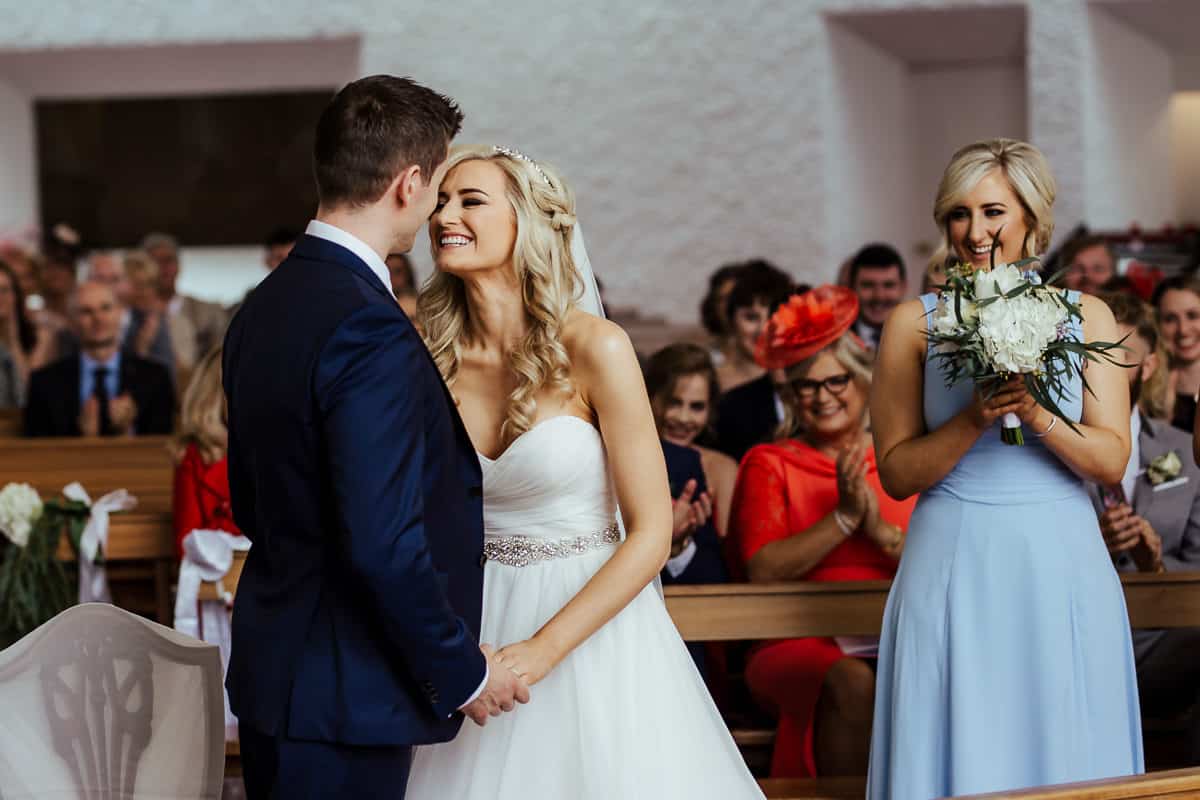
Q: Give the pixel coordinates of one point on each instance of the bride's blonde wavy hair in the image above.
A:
(544, 206)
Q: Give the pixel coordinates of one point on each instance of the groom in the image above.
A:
(357, 616)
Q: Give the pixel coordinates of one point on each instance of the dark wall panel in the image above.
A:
(211, 170)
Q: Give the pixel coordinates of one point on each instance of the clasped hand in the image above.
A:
(1126, 532)
(1011, 397)
(504, 689)
(857, 502)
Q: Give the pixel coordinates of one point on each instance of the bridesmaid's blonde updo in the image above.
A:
(1027, 173)
(544, 206)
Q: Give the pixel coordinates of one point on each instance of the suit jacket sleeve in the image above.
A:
(1186, 557)
(36, 418)
(371, 393)
(157, 417)
(707, 564)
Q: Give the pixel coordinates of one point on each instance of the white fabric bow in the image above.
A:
(207, 556)
(93, 582)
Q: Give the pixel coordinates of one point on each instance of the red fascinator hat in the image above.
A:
(806, 324)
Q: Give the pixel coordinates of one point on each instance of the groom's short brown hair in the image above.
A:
(374, 129)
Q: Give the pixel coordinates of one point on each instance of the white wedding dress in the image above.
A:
(624, 716)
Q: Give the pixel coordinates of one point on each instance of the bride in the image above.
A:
(553, 399)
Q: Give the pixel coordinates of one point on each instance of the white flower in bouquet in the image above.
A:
(1005, 276)
(1016, 331)
(20, 509)
(946, 318)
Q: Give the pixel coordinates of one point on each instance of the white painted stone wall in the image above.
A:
(1185, 148)
(18, 168)
(1127, 129)
(870, 169)
(695, 133)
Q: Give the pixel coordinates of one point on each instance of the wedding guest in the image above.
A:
(279, 246)
(201, 496)
(208, 320)
(107, 268)
(749, 414)
(809, 506)
(714, 310)
(18, 338)
(101, 391)
(695, 555)
(404, 282)
(759, 289)
(59, 269)
(933, 277)
(1090, 263)
(1177, 301)
(682, 384)
(151, 332)
(48, 327)
(1151, 521)
(878, 277)
(147, 340)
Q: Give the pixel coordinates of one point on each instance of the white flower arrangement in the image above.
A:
(20, 509)
(994, 323)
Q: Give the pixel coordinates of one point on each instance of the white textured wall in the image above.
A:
(870, 176)
(694, 133)
(955, 106)
(1127, 128)
(1185, 150)
(18, 171)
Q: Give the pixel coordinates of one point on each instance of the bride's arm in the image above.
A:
(606, 370)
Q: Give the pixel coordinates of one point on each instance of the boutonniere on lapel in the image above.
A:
(1164, 468)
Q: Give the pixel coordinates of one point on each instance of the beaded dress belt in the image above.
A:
(521, 551)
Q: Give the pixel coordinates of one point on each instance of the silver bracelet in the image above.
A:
(1045, 433)
(843, 524)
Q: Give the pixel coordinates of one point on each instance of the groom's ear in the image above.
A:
(407, 185)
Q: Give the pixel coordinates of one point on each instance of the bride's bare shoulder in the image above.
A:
(594, 344)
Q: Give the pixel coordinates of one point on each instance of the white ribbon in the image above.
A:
(93, 582)
(207, 556)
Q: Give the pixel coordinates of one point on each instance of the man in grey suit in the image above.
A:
(1151, 523)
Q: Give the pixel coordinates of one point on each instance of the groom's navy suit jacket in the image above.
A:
(357, 615)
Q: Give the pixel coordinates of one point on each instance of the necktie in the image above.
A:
(100, 392)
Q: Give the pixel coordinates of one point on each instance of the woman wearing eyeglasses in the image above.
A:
(809, 507)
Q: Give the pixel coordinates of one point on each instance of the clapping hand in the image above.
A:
(690, 512)
(1126, 532)
(854, 495)
(504, 689)
(122, 410)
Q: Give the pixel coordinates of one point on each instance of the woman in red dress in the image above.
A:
(810, 507)
(201, 499)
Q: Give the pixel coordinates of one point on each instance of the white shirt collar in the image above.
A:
(332, 233)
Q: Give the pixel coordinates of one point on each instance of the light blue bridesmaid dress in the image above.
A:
(1005, 659)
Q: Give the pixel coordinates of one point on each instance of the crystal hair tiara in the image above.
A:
(519, 156)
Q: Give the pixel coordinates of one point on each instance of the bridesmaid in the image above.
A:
(1005, 659)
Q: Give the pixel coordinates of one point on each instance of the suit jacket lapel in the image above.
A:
(1150, 447)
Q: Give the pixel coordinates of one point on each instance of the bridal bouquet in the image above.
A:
(992, 324)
